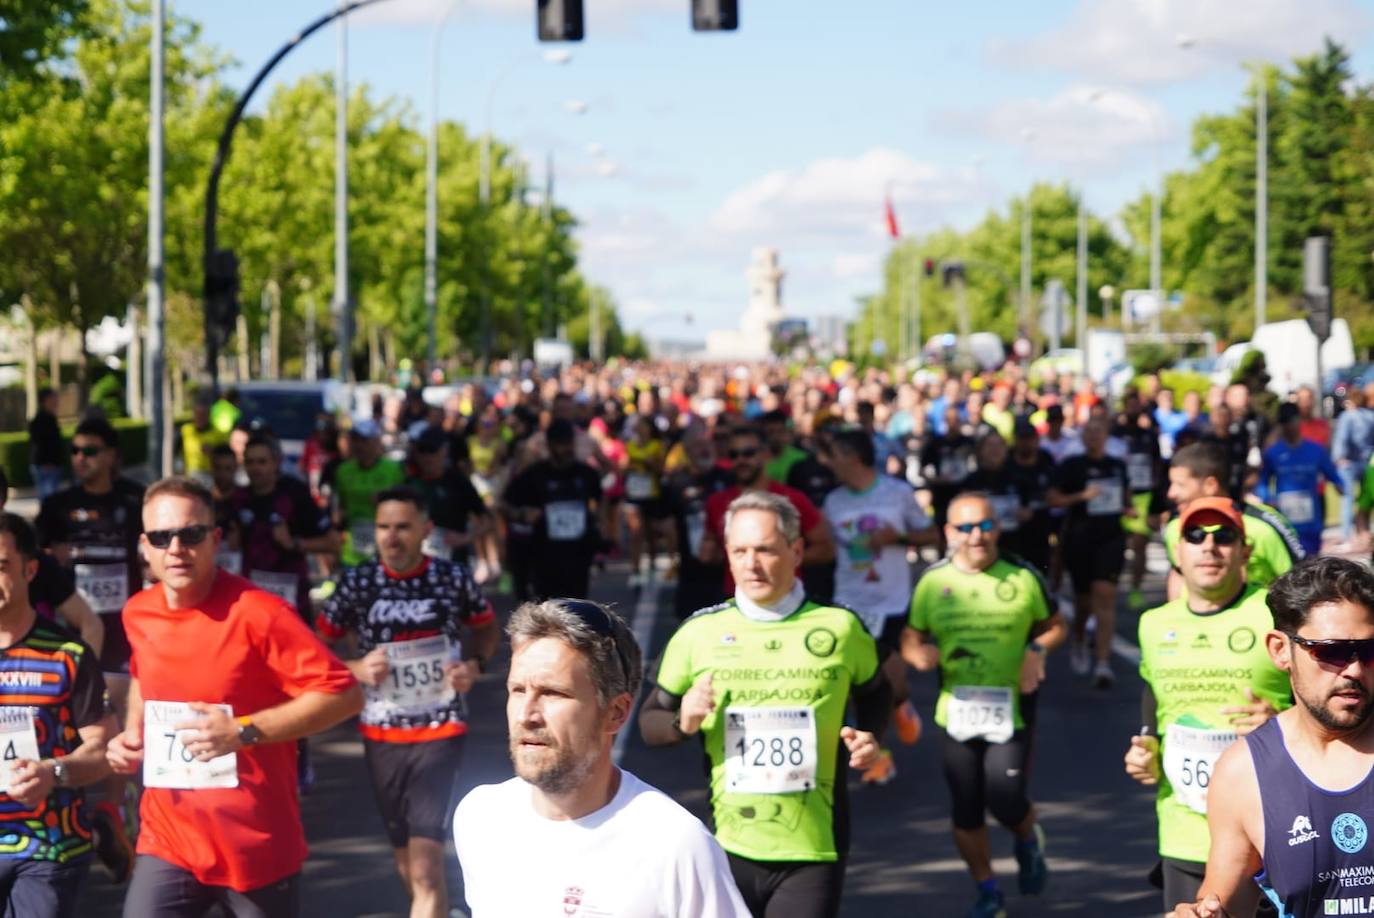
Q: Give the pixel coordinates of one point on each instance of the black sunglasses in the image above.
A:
(189, 535)
(1338, 652)
(90, 452)
(984, 525)
(1221, 535)
(743, 453)
(599, 620)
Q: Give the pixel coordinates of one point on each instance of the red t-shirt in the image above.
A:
(246, 648)
(718, 503)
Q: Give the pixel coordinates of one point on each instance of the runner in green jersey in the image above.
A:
(1208, 679)
(986, 623)
(764, 679)
(1202, 470)
(356, 485)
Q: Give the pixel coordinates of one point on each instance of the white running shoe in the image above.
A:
(1080, 661)
(1103, 677)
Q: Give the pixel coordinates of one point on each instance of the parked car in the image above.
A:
(291, 408)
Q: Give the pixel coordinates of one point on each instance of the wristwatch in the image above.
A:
(1037, 647)
(677, 723)
(249, 735)
(60, 774)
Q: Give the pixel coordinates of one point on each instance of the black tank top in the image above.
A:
(1318, 856)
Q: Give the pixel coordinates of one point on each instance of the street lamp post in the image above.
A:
(432, 196)
(342, 301)
(155, 368)
(1027, 135)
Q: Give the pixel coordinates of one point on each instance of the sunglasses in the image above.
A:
(1338, 652)
(743, 453)
(1221, 535)
(189, 535)
(599, 621)
(90, 452)
(983, 525)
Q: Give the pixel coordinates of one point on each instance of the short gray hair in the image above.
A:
(789, 520)
(616, 662)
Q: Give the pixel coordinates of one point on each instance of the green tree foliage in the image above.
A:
(34, 32)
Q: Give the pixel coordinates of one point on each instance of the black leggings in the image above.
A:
(162, 890)
(985, 776)
(789, 889)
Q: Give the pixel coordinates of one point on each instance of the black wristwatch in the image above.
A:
(249, 734)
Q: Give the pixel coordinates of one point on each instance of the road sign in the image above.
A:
(1054, 313)
(1139, 306)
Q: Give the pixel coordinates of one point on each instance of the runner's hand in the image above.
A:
(462, 674)
(31, 782)
(1142, 759)
(925, 657)
(881, 538)
(862, 745)
(124, 752)
(1032, 671)
(1246, 718)
(1207, 908)
(372, 669)
(698, 704)
(1090, 492)
(282, 535)
(211, 735)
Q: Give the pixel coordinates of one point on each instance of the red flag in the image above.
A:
(891, 216)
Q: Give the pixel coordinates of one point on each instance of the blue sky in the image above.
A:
(695, 148)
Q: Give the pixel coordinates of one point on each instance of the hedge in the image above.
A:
(14, 449)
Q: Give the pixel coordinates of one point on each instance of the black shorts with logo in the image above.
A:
(415, 786)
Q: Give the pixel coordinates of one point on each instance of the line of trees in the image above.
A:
(1321, 182)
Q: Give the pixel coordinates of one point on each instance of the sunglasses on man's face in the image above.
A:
(743, 453)
(981, 525)
(1338, 652)
(189, 535)
(1221, 535)
(90, 452)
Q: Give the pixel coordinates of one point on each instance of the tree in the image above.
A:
(35, 32)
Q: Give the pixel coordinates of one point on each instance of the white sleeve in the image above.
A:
(702, 883)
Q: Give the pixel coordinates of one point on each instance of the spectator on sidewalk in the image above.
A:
(46, 461)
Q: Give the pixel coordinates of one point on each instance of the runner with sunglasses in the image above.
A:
(572, 831)
(1208, 678)
(92, 529)
(1291, 805)
(226, 677)
(985, 621)
(423, 631)
(764, 679)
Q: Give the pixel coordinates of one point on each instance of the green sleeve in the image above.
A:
(920, 612)
(1270, 549)
(1042, 607)
(1171, 542)
(860, 653)
(1144, 641)
(675, 666)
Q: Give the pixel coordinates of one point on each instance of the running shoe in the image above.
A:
(1030, 860)
(1136, 600)
(112, 844)
(881, 771)
(907, 724)
(989, 905)
(1080, 661)
(1103, 677)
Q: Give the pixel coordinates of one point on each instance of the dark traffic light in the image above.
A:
(559, 20)
(715, 15)
(1316, 284)
(221, 296)
(929, 266)
(950, 271)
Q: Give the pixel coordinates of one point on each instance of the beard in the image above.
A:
(1342, 722)
(553, 768)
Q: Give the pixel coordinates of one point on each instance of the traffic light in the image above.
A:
(559, 20)
(221, 296)
(929, 266)
(1316, 284)
(951, 271)
(715, 15)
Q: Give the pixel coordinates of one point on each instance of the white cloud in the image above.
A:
(854, 264)
(423, 12)
(1137, 41)
(1081, 126)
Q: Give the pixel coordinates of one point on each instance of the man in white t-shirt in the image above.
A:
(572, 833)
(875, 519)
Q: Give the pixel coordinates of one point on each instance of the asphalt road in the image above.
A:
(1100, 825)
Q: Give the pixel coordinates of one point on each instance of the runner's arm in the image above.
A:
(483, 641)
(873, 704)
(820, 546)
(658, 718)
(75, 611)
(918, 651)
(87, 763)
(1234, 858)
(326, 544)
(305, 715)
(1051, 632)
(1059, 500)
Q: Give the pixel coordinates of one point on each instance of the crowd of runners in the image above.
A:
(168, 649)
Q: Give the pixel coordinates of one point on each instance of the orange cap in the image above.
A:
(1223, 507)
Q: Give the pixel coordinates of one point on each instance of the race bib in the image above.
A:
(979, 712)
(166, 760)
(696, 530)
(1108, 499)
(18, 740)
(639, 486)
(1140, 471)
(231, 561)
(1005, 507)
(566, 520)
(1297, 506)
(436, 544)
(770, 750)
(415, 673)
(1190, 755)
(276, 583)
(105, 587)
(364, 535)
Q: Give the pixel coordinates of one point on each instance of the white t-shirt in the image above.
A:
(640, 856)
(877, 585)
